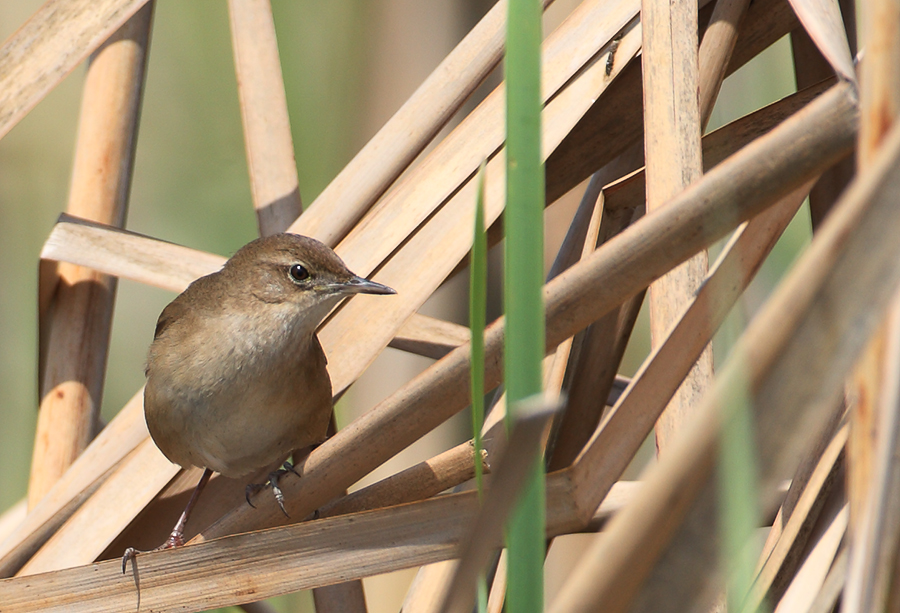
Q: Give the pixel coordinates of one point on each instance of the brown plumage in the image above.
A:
(236, 377)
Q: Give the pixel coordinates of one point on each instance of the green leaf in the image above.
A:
(523, 284)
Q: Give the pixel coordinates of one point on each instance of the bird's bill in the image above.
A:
(358, 285)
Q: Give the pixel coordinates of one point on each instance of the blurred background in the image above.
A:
(348, 65)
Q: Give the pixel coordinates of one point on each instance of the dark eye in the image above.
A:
(298, 273)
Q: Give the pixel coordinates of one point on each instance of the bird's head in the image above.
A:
(292, 269)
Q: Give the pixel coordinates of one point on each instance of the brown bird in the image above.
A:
(236, 377)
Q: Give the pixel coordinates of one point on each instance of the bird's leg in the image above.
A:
(274, 477)
(176, 537)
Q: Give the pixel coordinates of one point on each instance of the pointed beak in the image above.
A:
(358, 285)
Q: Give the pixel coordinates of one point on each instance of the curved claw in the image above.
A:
(290, 468)
(251, 490)
(130, 554)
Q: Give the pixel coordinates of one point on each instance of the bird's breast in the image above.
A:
(239, 400)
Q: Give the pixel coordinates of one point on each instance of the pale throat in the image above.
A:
(292, 325)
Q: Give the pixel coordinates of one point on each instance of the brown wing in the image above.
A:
(178, 308)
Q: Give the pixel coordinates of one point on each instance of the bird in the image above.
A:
(236, 376)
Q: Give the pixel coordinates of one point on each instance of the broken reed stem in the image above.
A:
(715, 52)
(417, 482)
(75, 327)
(43, 51)
(274, 184)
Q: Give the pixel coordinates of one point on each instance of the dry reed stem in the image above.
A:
(622, 199)
(267, 128)
(750, 180)
(268, 563)
(629, 422)
(880, 106)
(532, 419)
(172, 267)
(827, 598)
(822, 21)
(405, 135)
(879, 81)
(497, 597)
(592, 368)
(134, 483)
(569, 49)
(429, 337)
(715, 52)
(876, 532)
(758, 239)
(75, 326)
(627, 195)
(810, 68)
(613, 125)
(428, 256)
(784, 558)
(58, 37)
(420, 481)
(798, 485)
(250, 567)
(603, 345)
(347, 596)
(422, 597)
(627, 425)
(791, 371)
(673, 160)
(127, 255)
(810, 578)
(116, 441)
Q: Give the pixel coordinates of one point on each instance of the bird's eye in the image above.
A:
(298, 273)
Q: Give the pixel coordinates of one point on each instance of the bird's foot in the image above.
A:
(274, 477)
(176, 539)
(130, 554)
(176, 536)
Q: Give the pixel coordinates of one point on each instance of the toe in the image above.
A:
(130, 554)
